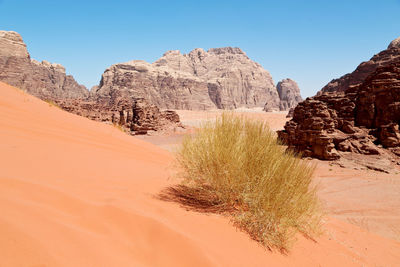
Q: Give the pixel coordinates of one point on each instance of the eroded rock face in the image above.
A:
(233, 79)
(223, 78)
(289, 94)
(49, 81)
(133, 115)
(161, 86)
(384, 58)
(362, 120)
(44, 80)
(354, 118)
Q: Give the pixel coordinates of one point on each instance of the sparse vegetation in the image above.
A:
(119, 127)
(267, 191)
(52, 103)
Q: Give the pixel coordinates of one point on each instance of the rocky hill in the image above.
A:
(161, 86)
(44, 80)
(362, 120)
(223, 78)
(49, 82)
(384, 58)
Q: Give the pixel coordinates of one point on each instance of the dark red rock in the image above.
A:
(135, 116)
(384, 58)
(361, 120)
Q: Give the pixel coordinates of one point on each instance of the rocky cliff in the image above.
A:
(384, 58)
(131, 94)
(49, 81)
(42, 79)
(132, 115)
(362, 120)
(223, 78)
(355, 118)
(161, 86)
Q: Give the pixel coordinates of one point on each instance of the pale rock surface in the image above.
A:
(395, 43)
(220, 78)
(223, 78)
(162, 86)
(289, 94)
(42, 79)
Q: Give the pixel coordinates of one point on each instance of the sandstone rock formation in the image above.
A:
(233, 79)
(223, 78)
(290, 113)
(289, 94)
(384, 58)
(362, 120)
(44, 80)
(130, 94)
(50, 82)
(161, 86)
(135, 116)
(354, 118)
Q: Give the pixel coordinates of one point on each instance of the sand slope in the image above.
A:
(74, 192)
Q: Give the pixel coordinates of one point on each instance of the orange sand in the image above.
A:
(368, 199)
(74, 192)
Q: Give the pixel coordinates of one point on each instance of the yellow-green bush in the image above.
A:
(52, 103)
(241, 162)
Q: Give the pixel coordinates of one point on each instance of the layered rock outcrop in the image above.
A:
(223, 78)
(133, 115)
(384, 58)
(161, 86)
(233, 79)
(362, 120)
(44, 80)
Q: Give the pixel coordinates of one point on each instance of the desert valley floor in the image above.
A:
(75, 192)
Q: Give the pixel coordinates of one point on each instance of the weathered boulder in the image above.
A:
(44, 80)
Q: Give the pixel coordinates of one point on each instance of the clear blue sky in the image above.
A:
(311, 41)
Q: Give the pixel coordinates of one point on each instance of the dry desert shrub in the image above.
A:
(242, 165)
(51, 103)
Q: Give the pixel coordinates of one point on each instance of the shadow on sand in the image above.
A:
(195, 199)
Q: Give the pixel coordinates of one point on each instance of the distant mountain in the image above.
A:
(42, 79)
(223, 78)
(220, 78)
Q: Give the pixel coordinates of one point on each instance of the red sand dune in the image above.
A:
(74, 192)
